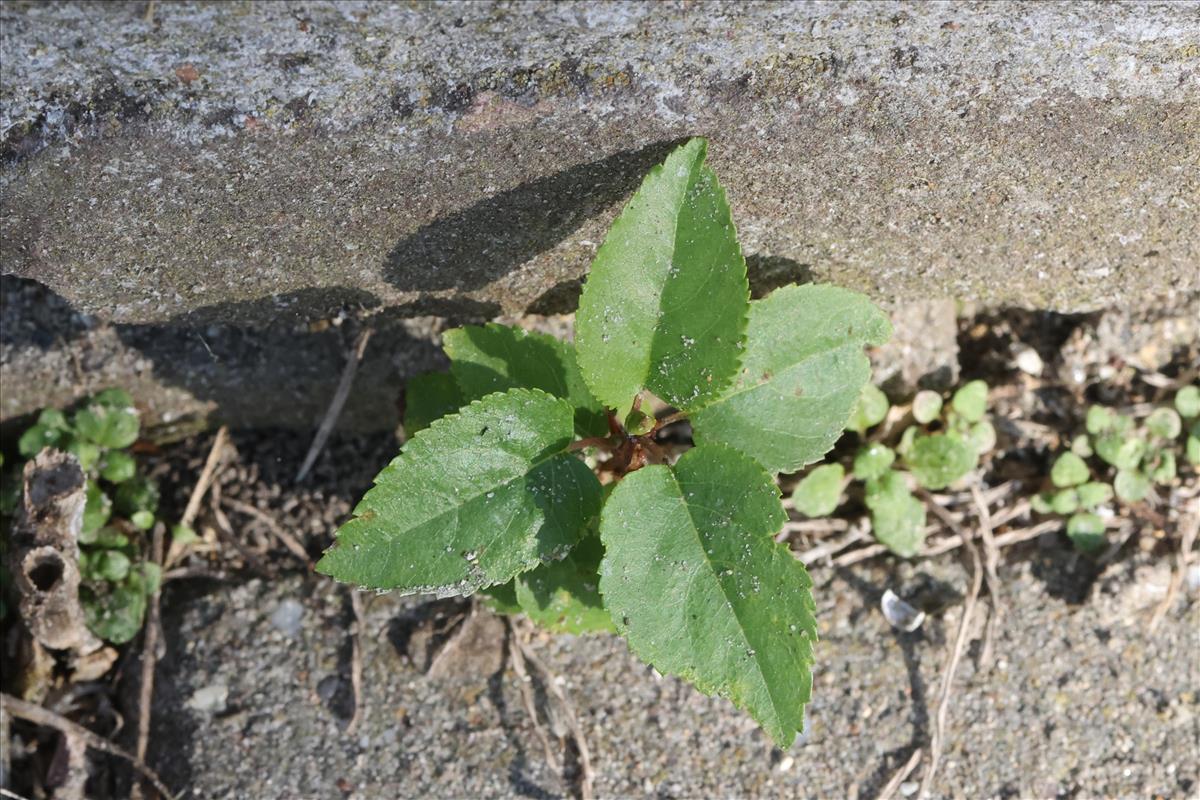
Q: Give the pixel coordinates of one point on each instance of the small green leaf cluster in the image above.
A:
(490, 494)
(1119, 456)
(121, 505)
(940, 447)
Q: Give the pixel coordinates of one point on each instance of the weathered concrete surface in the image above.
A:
(1080, 699)
(191, 166)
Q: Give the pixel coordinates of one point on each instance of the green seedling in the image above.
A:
(494, 494)
(1129, 459)
(941, 449)
(120, 506)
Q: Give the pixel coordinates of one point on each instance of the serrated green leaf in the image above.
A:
(564, 596)
(803, 371)
(904, 446)
(471, 501)
(1122, 451)
(1187, 401)
(1131, 485)
(870, 409)
(940, 459)
(495, 358)
(427, 398)
(1042, 503)
(970, 401)
(872, 461)
(926, 406)
(1094, 494)
(897, 518)
(1192, 449)
(664, 306)
(695, 581)
(1069, 470)
(1086, 532)
(1164, 423)
(818, 493)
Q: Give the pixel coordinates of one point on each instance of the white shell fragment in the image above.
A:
(1029, 362)
(900, 615)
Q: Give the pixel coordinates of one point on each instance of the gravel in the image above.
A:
(1080, 698)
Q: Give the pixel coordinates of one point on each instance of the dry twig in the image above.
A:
(251, 559)
(814, 526)
(586, 774)
(215, 454)
(949, 543)
(901, 776)
(1190, 527)
(335, 405)
(47, 718)
(286, 539)
(991, 561)
(517, 653)
(356, 659)
(960, 641)
(829, 548)
(180, 573)
(149, 657)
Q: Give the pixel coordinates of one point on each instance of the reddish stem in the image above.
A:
(670, 419)
(601, 442)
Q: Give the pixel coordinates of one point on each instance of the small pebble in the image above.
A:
(909, 788)
(786, 763)
(1193, 577)
(287, 616)
(211, 699)
(1029, 362)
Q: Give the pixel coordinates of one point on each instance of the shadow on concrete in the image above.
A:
(768, 273)
(474, 246)
(260, 363)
